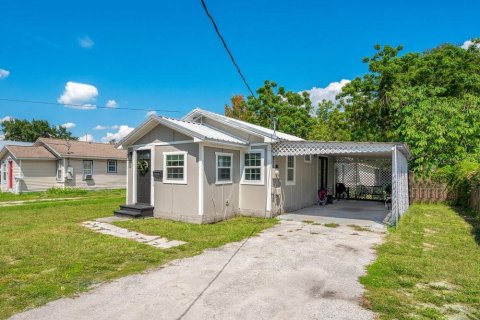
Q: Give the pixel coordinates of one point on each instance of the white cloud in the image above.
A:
(87, 138)
(111, 104)
(150, 113)
(100, 127)
(68, 125)
(78, 95)
(122, 131)
(330, 92)
(467, 44)
(85, 42)
(6, 118)
(4, 73)
(2, 137)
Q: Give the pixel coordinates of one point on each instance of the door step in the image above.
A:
(137, 210)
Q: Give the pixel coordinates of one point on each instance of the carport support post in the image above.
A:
(395, 184)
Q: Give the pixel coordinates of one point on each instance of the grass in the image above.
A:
(358, 228)
(45, 253)
(428, 268)
(331, 225)
(55, 193)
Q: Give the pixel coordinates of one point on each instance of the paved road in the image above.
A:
(291, 271)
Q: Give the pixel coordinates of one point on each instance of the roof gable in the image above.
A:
(28, 152)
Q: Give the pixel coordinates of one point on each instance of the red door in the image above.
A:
(10, 174)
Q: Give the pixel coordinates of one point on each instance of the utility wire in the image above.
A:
(226, 47)
(86, 106)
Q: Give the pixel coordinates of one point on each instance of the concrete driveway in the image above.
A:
(291, 271)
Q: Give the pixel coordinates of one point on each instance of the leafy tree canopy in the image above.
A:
(30, 131)
(290, 110)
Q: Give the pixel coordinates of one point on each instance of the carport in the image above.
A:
(369, 170)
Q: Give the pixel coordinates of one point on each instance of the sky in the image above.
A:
(165, 55)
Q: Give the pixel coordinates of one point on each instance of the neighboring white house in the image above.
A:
(61, 163)
(208, 167)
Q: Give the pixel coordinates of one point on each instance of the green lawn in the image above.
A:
(45, 254)
(56, 193)
(428, 268)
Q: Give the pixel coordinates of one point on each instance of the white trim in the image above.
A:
(152, 179)
(305, 158)
(262, 169)
(201, 173)
(185, 161)
(269, 179)
(134, 173)
(217, 154)
(128, 187)
(287, 182)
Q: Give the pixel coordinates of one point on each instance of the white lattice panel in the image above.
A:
(329, 148)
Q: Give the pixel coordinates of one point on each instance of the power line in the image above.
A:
(226, 47)
(86, 106)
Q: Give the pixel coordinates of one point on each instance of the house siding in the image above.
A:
(177, 201)
(38, 175)
(162, 134)
(304, 192)
(253, 198)
(101, 179)
(216, 196)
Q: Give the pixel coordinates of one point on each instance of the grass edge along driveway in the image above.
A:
(45, 254)
(428, 268)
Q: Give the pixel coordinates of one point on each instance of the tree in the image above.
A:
(429, 100)
(30, 131)
(330, 124)
(238, 109)
(290, 110)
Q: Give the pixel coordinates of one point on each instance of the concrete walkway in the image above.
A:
(345, 212)
(291, 271)
(19, 202)
(110, 229)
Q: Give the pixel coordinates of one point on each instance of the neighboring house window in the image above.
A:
(224, 167)
(253, 168)
(308, 158)
(290, 170)
(4, 172)
(175, 167)
(59, 170)
(111, 166)
(87, 169)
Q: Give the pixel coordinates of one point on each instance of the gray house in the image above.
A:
(60, 163)
(207, 167)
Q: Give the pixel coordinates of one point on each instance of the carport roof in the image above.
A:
(354, 149)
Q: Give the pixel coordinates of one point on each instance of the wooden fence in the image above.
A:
(434, 192)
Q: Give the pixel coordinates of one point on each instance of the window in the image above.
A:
(111, 166)
(59, 170)
(308, 158)
(224, 167)
(290, 170)
(253, 168)
(87, 169)
(175, 167)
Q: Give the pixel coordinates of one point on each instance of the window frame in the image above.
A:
(305, 158)
(224, 154)
(108, 166)
(262, 168)
(287, 168)
(185, 167)
(83, 169)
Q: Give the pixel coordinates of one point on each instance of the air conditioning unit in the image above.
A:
(88, 177)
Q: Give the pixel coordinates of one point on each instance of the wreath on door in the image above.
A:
(142, 167)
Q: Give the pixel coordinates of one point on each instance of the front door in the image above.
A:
(10, 174)
(143, 177)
